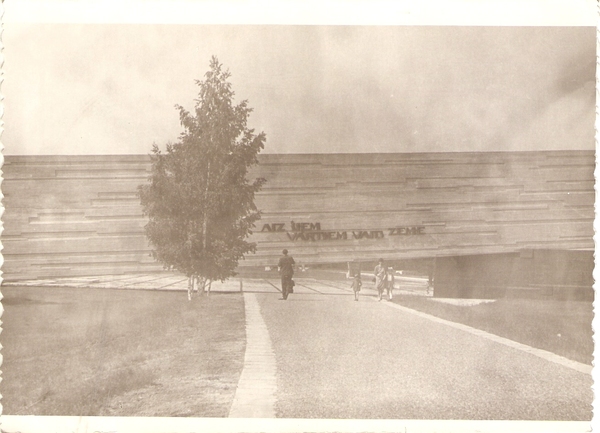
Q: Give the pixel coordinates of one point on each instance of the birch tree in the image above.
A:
(198, 200)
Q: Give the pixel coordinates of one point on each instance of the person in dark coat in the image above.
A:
(286, 269)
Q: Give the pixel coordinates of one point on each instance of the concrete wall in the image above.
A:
(79, 215)
(540, 274)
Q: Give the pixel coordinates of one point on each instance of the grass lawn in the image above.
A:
(560, 327)
(120, 353)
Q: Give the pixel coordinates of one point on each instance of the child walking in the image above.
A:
(390, 282)
(356, 285)
(380, 278)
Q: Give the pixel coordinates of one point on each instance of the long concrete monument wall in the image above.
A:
(79, 215)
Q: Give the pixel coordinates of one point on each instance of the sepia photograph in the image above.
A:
(297, 225)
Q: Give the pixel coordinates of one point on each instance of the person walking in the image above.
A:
(390, 282)
(356, 285)
(380, 280)
(286, 270)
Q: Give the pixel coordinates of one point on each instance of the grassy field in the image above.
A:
(560, 327)
(121, 353)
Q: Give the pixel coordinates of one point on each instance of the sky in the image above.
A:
(88, 88)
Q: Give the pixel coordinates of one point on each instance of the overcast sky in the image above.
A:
(111, 88)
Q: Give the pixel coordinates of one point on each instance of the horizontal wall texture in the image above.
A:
(80, 215)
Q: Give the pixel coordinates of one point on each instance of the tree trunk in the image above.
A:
(205, 221)
(190, 287)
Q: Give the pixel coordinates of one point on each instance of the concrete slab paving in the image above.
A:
(255, 393)
(154, 281)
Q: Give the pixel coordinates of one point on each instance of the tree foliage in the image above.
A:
(199, 203)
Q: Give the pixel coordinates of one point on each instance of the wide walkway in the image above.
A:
(337, 358)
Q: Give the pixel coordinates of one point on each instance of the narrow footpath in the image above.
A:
(255, 394)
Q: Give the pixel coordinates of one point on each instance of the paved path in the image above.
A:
(255, 394)
(337, 358)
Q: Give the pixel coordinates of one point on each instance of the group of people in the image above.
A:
(383, 278)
